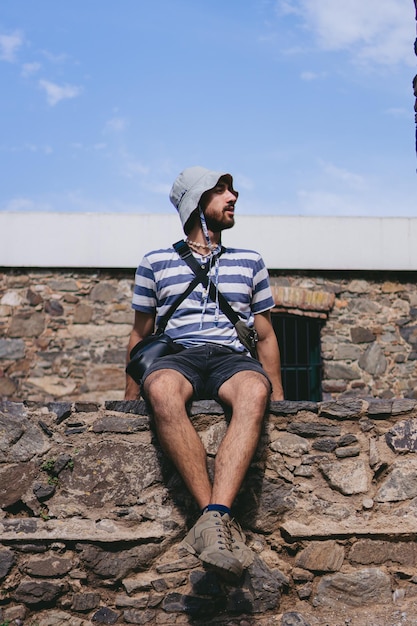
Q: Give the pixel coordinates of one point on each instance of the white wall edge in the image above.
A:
(101, 240)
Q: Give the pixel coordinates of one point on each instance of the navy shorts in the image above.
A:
(207, 367)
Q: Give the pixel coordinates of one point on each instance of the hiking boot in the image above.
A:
(239, 548)
(210, 539)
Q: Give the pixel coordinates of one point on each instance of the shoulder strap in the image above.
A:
(193, 284)
(185, 253)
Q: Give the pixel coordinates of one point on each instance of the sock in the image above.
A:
(221, 508)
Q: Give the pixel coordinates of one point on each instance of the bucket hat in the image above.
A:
(189, 186)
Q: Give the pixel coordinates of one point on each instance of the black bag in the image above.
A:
(144, 353)
(248, 337)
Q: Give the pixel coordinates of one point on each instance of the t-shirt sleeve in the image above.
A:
(144, 292)
(262, 299)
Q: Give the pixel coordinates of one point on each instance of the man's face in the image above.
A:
(219, 206)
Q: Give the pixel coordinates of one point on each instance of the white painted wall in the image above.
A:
(119, 241)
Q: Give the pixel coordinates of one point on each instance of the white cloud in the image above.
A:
(340, 174)
(27, 147)
(116, 125)
(308, 76)
(240, 181)
(9, 45)
(55, 58)
(322, 202)
(375, 31)
(82, 147)
(399, 112)
(26, 204)
(132, 168)
(161, 189)
(28, 69)
(375, 203)
(43, 149)
(55, 93)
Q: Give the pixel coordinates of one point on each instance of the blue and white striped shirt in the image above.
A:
(242, 278)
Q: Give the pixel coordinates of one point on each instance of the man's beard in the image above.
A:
(216, 226)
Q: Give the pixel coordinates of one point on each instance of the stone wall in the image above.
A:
(63, 334)
(369, 337)
(92, 517)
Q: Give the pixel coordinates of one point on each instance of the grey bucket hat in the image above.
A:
(188, 188)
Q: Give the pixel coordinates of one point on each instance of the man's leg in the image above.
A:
(247, 394)
(210, 538)
(168, 391)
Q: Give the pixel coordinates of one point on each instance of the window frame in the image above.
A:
(299, 339)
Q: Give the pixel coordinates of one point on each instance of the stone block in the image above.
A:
(54, 308)
(85, 602)
(83, 314)
(42, 593)
(361, 588)
(293, 618)
(378, 552)
(340, 371)
(53, 386)
(401, 483)
(314, 429)
(7, 559)
(12, 349)
(7, 387)
(403, 436)
(289, 444)
(321, 556)
(48, 567)
(373, 360)
(11, 298)
(347, 476)
(362, 335)
(103, 292)
(15, 480)
(27, 325)
(348, 409)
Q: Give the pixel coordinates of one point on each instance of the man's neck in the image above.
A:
(196, 236)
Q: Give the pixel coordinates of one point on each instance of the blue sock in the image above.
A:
(221, 508)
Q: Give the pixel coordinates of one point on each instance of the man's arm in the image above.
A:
(268, 353)
(142, 327)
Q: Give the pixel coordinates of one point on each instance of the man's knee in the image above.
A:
(166, 383)
(246, 385)
(258, 386)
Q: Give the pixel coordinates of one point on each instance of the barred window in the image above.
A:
(301, 366)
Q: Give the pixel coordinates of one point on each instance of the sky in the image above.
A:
(307, 103)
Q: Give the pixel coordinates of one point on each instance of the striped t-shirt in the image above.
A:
(242, 278)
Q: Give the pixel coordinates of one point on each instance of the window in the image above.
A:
(299, 344)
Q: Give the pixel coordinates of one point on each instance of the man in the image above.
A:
(214, 364)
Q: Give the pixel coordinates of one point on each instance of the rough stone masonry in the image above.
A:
(92, 517)
(63, 333)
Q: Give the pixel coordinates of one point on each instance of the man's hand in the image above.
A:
(132, 391)
(277, 394)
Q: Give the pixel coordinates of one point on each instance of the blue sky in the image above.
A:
(308, 103)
